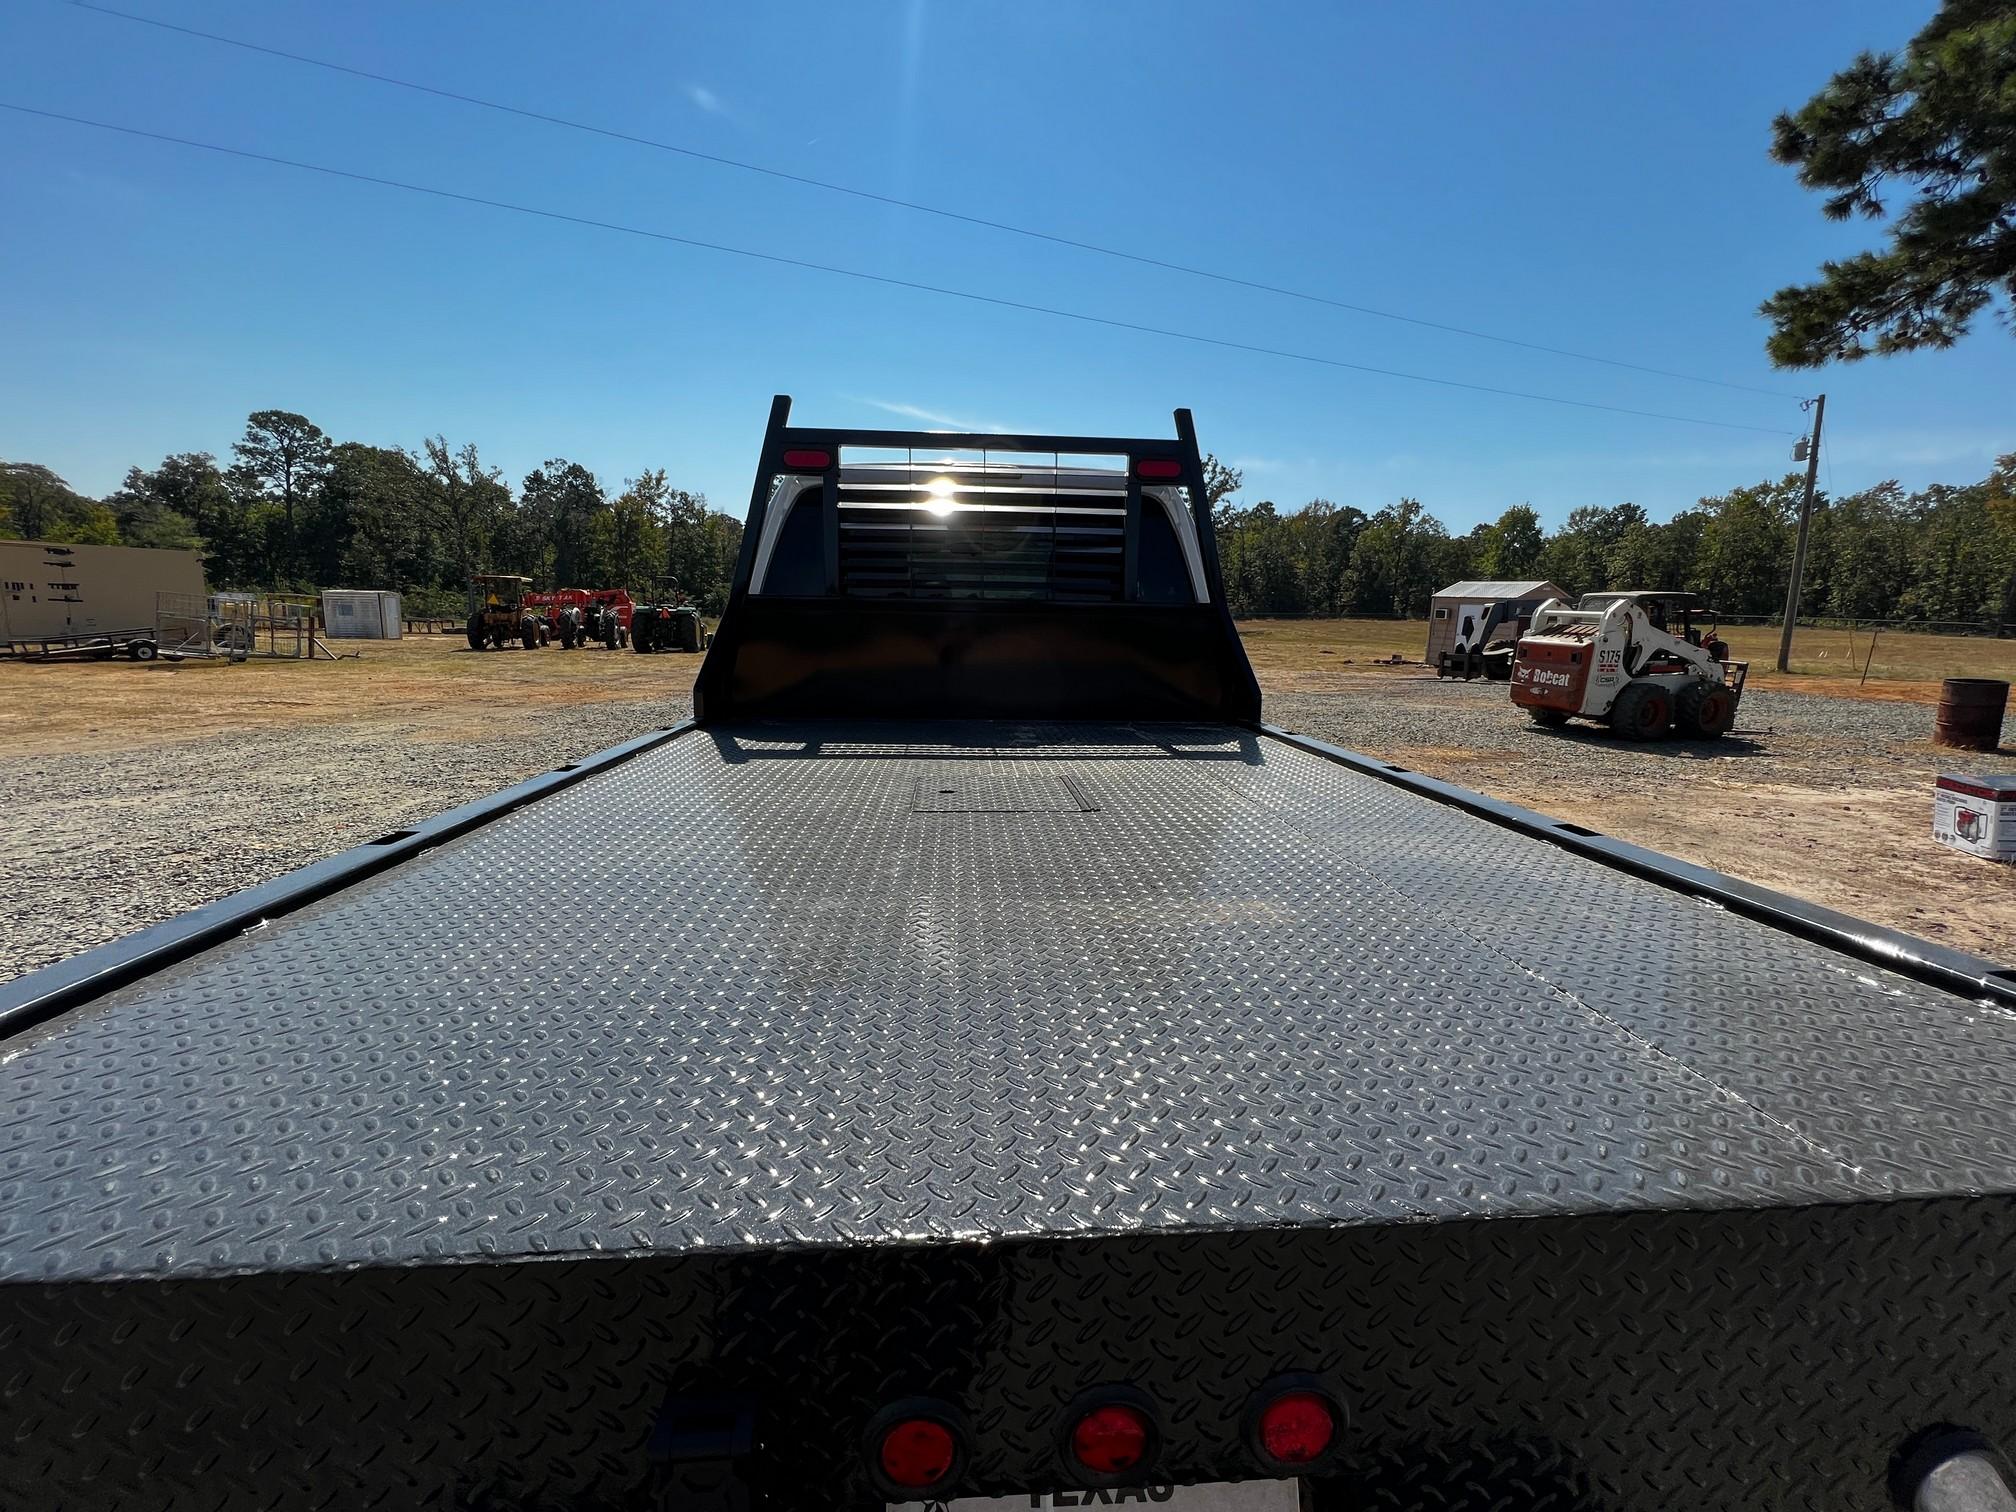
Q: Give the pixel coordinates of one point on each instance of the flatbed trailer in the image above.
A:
(987, 1072)
(101, 645)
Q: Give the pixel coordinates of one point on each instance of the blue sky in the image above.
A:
(1584, 176)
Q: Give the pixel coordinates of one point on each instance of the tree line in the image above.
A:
(294, 511)
(1944, 553)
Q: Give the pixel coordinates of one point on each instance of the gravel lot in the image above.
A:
(111, 830)
(1778, 738)
(119, 840)
(1828, 798)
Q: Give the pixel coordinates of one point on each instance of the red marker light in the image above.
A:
(816, 460)
(1297, 1428)
(1158, 467)
(1111, 1439)
(917, 1453)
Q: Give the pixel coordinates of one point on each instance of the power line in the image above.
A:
(879, 278)
(914, 205)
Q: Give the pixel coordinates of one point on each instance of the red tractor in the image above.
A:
(577, 616)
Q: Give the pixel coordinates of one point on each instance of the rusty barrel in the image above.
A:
(1970, 713)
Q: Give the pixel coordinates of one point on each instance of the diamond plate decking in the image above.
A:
(828, 985)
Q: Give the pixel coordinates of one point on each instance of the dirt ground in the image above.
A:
(137, 791)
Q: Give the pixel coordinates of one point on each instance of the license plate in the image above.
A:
(1225, 1496)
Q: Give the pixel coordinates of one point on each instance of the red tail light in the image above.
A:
(1158, 467)
(1113, 1439)
(1297, 1428)
(917, 1453)
(815, 461)
(1294, 1423)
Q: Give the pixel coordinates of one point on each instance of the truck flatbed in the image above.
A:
(971, 981)
(990, 1062)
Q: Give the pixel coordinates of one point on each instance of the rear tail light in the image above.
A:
(917, 1453)
(1109, 1437)
(1294, 1424)
(1111, 1440)
(1158, 467)
(816, 461)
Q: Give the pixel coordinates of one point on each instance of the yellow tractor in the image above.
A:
(501, 613)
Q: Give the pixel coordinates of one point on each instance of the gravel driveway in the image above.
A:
(116, 841)
(1778, 738)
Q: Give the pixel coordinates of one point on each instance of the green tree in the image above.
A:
(1326, 534)
(1854, 553)
(561, 501)
(42, 507)
(1578, 556)
(1938, 119)
(1220, 482)
(723, 535)
(365, 528)
(89, 524)
(1746, 546)
(1999, 504)
(1508, 549)
(1400, 554)
(1633, 560)
(689, 552)
(465, 502)
(146, 515)
(630, 536)
(1674, 552)
(287, 453)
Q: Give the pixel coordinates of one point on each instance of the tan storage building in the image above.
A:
(1457, 615)
(48, 590)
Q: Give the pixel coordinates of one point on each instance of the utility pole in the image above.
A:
(1799, 547)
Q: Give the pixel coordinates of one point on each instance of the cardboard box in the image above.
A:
(1976, 815)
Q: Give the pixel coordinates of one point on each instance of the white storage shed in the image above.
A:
(360, 614)
(1457, 615)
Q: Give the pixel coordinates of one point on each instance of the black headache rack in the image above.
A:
(983, 614)
(972, 1076)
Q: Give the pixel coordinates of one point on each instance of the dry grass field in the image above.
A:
(454, 693)
(139, 790)
(1298, 654)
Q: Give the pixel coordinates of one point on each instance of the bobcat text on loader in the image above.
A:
(1635, 661)
(1036, 1079)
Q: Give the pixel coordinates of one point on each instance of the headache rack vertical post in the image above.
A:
(715, 665)
(1247, 695)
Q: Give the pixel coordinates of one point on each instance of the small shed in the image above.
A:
(360, 614)
(1456, 617)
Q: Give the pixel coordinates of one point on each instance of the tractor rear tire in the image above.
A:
(1704, 711)
(476, 632)
(1642, 712)
(1549, 719)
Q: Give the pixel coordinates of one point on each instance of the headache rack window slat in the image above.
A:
(1071, 548)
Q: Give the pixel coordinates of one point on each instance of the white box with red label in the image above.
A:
(1976, 815)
